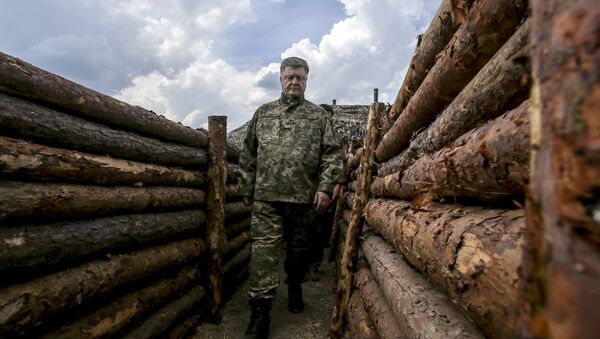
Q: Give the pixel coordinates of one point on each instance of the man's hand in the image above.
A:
(247, 201)
(321, 202)
(336, 192)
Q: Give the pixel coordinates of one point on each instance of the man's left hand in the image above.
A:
(321, 202)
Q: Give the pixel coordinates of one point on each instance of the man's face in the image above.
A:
(293, 81)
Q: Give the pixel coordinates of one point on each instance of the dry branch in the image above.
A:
(21, 159)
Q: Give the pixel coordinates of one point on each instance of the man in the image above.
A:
(288, 166)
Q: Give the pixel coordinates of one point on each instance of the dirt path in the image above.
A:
(312, 323)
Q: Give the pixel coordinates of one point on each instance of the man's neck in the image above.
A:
(289, 99)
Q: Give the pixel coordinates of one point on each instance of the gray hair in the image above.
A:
(293, 62)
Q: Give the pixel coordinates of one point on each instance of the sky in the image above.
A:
(189, 59)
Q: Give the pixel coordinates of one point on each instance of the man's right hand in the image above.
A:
(247, 201)
(336, 192)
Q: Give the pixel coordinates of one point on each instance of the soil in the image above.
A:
(313, 322)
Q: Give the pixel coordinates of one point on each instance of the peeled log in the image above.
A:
(421, 310)
(34, 246)
(383, 317)
(21, 159)
(25, 80)
(359, 323)
(563, 211)
(22, 201)
(445, 22)
(489, 24)
(488, 163)
(471, 253)
(19, 118)
(30, 304)
(110, 319)
(500, 85)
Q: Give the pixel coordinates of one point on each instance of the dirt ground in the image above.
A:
(313, 322)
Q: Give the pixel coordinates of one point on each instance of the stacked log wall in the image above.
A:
(103, 214)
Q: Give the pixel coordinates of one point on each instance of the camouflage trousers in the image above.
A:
(273, 222)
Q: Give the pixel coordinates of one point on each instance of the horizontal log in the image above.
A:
(25, 306)
(233, 172)
(241, 258)
(359, 322)
(161, 320)
(236, 243)
(473, 254)
(236, 228)
(108, 320)
(381, 313)
(184, 329)
(25, 80)
(232, 193)
(23, 201)
(22, 119)
(501, 84)
(421, 310)
(30, 247)
(236, 210)
(22, 159)
(488, 26)
(488, 163)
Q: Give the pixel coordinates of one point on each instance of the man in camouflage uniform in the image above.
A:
(288, 165)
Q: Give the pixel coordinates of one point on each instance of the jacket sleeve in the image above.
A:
(247, 175)
(331, 157)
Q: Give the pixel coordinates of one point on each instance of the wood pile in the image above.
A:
(115, 222)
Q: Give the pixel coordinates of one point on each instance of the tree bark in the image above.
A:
(25, 80)
(501, 84)
(339, 213)
(234, 211)
(383, 317)
(354, 227)
(21, 159)
(360, 325)
(233, 172)
(25, 306)
(217, 149)
(163, 319)
(421, 310)
(488, 163)
(238, 227)
(231, 193)
(21, 201)
(449, 16)
(39, 246)
(235, 244)
(564, 206)
(489, 24)
(110, 319)
(240, 259)
(22, 119)
(471, 253)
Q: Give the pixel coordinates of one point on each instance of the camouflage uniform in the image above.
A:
(290, 152)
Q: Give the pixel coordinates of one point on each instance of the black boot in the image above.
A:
(295, 302)
(259, 320)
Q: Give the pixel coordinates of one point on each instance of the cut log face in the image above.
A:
(421, 310)
(475, 42)
(21, 159)
(473, 254)
(23, 119)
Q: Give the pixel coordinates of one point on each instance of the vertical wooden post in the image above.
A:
(354, 228)
(215, 203)
(563, 209)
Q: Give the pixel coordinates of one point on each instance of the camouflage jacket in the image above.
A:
(290, 152)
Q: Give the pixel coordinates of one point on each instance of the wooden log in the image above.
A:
(500, 85)
(21, 159)
(110, 319)
(22, 119)
(236, 210)
(381, 313)
(353, 186)
(236, 243)
(215, 234)
(184, 328)
(449, 16)
(25, 306)
(355, 159)
(360, 324)
(473, 254)
(22, 201)
(339, 214)
(233, 172)
(488, 163)
(163, 319)
(236, 228)
(564, 209)
(39, 246)
(241, 258)
(355, 225)
(232, 193)
(25, 80)
(421, 310)
(489, 24)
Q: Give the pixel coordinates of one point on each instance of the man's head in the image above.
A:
(293, 76)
